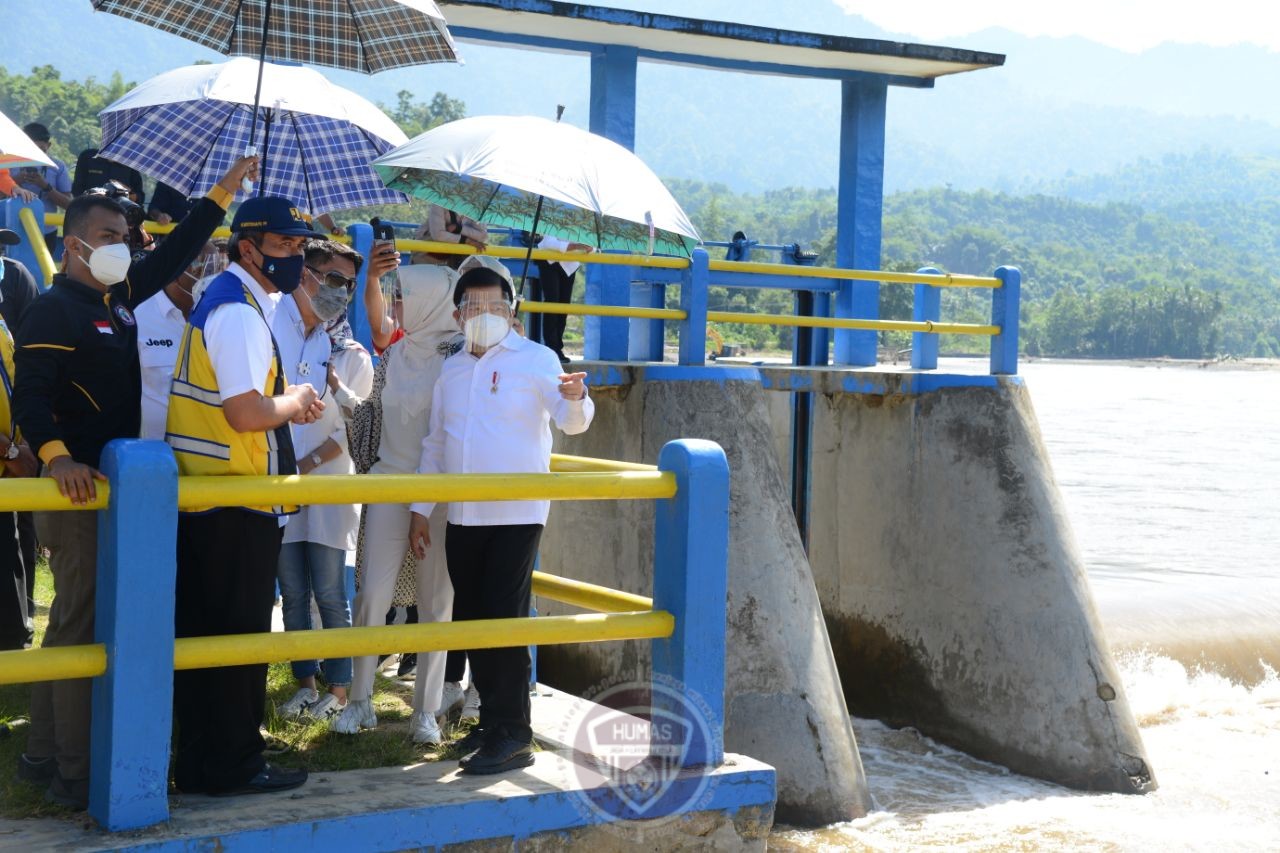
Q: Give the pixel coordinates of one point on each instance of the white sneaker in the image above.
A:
(295, 707)
(471, 705)
(425, 729)
(356, 716)
(326, 706)
(451, 699)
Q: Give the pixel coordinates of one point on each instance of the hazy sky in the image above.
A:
(1132, 25)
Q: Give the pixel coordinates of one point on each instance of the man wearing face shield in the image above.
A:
(317, 538)
(230, 410)
(161, 320)
(78, 386)
(491, 411)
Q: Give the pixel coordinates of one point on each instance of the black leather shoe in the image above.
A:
(268, 781)
(408, 665)
(72, 793)
(37, 771)
(499, 755)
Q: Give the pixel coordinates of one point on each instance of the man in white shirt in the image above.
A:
(490, 414)
(161, 320)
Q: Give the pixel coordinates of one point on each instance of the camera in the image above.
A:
(139, 241)
(133, 212)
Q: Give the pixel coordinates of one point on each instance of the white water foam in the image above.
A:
(1214, 745)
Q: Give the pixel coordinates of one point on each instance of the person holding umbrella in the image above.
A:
(78, 386)
(229, 414)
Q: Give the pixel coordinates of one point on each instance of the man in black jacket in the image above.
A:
(78, 387)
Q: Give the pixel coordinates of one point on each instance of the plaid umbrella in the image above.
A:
(187, 126)
(354, 35)
(520, 171)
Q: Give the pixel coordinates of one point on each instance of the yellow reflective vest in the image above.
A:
(197, 430)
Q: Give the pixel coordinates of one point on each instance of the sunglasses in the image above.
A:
(334, 279)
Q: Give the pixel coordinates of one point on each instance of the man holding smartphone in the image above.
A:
(51, 184)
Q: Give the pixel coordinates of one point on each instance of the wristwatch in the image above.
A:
(13, 451)
(316, 461)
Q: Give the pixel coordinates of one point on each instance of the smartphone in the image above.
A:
(383, 235)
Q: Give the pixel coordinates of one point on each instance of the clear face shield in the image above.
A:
(486, 318)
(205, 268)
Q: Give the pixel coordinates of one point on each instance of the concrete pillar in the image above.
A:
(783, 700)
(954, 593)
(859, 212)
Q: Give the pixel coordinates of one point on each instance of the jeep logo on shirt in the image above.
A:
(158, 342)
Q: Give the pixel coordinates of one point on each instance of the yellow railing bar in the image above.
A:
(935, 279)
(581, 479)
(59, 663)
(601, 599)
(196, 492)
(603, 310)
(237, 649)
(36, 238)
(562, 463)
(837, 323)
(52, 664)
(659, 262)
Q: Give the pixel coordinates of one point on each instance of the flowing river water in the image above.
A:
(1171, 476)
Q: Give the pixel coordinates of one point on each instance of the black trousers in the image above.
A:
(15, 599)
(554, 286)
(492, 573)
(226, 585)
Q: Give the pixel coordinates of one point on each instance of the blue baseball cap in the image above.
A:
(272, 214)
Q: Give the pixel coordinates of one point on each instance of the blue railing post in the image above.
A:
(607, 338)
(694, 286)
(362, 241)
(1005, 304)
(133, 701)
(690, 581)
(926, 307)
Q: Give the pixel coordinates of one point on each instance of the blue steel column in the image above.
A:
(1005, 305)
(694, 288)
(926, 306)
(613, 116)
(133, 701)
(690, 581)
(859, 214)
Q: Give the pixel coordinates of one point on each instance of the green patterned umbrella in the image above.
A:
(534, 174)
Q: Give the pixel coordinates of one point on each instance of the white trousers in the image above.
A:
(386, 538)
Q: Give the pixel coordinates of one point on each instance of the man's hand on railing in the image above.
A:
(75, 479)
(419, 535)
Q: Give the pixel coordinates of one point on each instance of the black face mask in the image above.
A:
(285, 274)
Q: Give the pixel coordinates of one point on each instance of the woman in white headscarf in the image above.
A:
(412, 365)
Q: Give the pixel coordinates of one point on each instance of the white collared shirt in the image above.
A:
(160, 327)
(558, 245)
(491, 415)
(238, 342)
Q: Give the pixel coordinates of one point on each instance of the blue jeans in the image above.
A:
(308, 568)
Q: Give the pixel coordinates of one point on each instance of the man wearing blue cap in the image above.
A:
(229, 414)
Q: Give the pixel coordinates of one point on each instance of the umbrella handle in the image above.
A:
(245, 183)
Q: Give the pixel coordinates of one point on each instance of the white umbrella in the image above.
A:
(17, 149)
(185, 127)
(518, 171)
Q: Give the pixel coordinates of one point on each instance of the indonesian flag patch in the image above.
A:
(103, 327)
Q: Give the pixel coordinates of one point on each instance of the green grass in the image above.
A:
(303, 744)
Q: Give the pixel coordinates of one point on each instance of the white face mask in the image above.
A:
(109, 264)
(202, 284)
(485, 330)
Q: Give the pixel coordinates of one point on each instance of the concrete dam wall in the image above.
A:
(953, 590)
